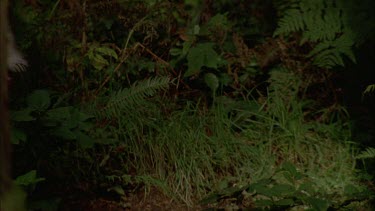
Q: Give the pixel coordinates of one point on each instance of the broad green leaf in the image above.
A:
(290, 168)
(259, 185)
(17, 136)
(212, 198)
(266, 191)
(263, 203)
(29, 178)
(282, 190)
(39, 100)
(175, 51)
(230, 191)
(64, 132)
(59, 114)
(76, 117)
(288, 176)
(201, 55)
(225, 79)
(186, 47)
(107, 52)
(85, 126)
(318, 204)
(218, 21)
(212, 81)
(83, 116)
(195, 60)
(284, 202)
(23, 115)
(99, 62)
(307, 187)
(212, 59)
(84, 140)
(70, 123)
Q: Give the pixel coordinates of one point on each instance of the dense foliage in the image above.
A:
(222, 104)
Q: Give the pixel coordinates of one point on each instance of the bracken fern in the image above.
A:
(130, 98)
(368, 153)
(335, 26)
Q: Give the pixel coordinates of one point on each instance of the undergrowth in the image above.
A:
(191, 152)
(199, 102)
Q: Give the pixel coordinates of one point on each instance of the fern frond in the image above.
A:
(327, 23)
(344, 46)
(291, 22)
(284, 5)
(328, 59)
(131, 98)
(321, 26)
(368, 153)
(329, 54)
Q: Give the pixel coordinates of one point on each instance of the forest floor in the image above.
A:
(152, 201)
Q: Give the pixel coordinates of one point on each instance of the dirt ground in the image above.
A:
(153, 201)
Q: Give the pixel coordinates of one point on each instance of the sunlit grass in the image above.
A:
(194, 152)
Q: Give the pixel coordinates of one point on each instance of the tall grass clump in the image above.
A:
(199, 151)
(189, 151)
(186, 152)
(321, 150)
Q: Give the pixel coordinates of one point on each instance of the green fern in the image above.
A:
(329, 24)
(330, 53)
(133, 97)
(368, 153)
(291, 22)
